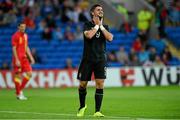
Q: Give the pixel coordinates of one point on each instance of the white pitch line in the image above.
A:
(37, 113)
(74, 115)
(60, 114)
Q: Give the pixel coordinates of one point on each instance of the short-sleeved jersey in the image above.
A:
(20, 40)
(94, 48)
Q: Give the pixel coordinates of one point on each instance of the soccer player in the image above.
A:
(21, 60)
(94, 59)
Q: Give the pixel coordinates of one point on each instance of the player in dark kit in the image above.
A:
(94, 59)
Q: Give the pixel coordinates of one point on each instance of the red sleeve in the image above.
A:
(14, 40)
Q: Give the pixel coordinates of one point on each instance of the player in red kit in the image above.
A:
(22, 59)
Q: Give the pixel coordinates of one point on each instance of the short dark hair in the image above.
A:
(93, 7)
(21, 22)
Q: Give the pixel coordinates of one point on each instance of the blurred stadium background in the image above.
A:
(145, 52)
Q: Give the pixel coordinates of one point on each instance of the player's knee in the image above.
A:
(82, 85)
(17, 75)
(100, 84)
(29, 74)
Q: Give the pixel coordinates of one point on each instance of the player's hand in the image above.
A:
(96, 20)
(18, 64)
(101, 21)
(101, 14)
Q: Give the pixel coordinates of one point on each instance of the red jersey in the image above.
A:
(20, 40)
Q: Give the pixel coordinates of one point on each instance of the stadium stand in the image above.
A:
(54, 53)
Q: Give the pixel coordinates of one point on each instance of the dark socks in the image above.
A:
(98, 99)
(82, 97)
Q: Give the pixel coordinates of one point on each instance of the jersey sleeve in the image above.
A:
(14, 40)
(86, 27)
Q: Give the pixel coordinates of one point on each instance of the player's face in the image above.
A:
(98, 11)
(22, 27)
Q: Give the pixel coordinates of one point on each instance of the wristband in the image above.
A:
(96, 27)
(102, 27)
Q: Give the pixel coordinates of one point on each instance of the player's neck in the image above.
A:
(20, 32)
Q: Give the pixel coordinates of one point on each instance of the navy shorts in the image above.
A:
(86, 69)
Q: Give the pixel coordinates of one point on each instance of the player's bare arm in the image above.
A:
(16, 57)
(106, 33)
(90, 33)
(28, 52)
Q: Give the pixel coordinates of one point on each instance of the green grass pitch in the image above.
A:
(130, 103)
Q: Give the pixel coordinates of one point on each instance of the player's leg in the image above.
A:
(84, 75)
(26, 67)
(27, 70)
(16, 77)
(99, 94)
(25, 79)
(82, 98)
(82, 93)
(100, 76)
(99, 97)
(17, 82)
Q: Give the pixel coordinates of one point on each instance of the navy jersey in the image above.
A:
(94, 48)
